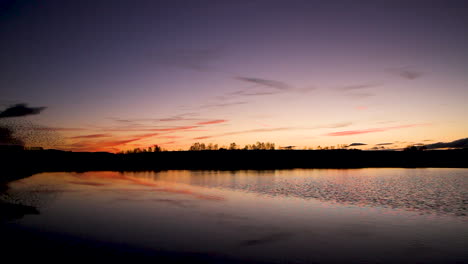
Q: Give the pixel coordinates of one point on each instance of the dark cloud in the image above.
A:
(460, 143)
(20, 110)
(357, 144)
(383, 144)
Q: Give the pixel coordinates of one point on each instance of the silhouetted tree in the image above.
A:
(157, 148)
(415, 148)
(232, 146)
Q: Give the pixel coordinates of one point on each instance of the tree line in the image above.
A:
(197, 146)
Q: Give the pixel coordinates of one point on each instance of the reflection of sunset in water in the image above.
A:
(261, 215)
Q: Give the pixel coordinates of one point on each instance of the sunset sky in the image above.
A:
(116, 75)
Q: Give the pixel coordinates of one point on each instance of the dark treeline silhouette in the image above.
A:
(18, 163)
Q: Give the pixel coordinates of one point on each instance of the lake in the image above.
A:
(382, 215)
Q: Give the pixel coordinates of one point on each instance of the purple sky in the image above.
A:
(122, 74)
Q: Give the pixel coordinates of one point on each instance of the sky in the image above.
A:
(116, 75)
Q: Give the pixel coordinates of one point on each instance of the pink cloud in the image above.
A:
(218, 121)
(361, 107)
(205, 137)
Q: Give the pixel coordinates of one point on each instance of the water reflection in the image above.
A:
(441, 191)
(292, 216)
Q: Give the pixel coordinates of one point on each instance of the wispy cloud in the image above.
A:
(336, 125)
(211, 122)
(220, 105)
(192, 59)
(260, 130)
(358, 86)
(252, 93)
(59, 128)
(383, 144)
(179, 117)
(265, 87)
(357, 95)
(105, 145)
(407, 73)
(372, 130)
(148, 129)
(263, 82)
(91, 136)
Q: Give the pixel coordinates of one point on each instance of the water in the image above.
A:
(283, 216)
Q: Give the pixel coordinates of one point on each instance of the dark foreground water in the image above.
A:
(285, 216)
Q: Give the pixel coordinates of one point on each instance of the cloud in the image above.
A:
(193, 59)
(407, 73)
(59, 129)
(167, 143)
(337, 125)
(179, 117)
(91, 136)
(253, 93)
(101, 144)
(357, 144)
(260, 130)
(360, 95)
(358, 86)
(20, 110)
(383, 144)
(216, 105)
(204, 137)
(371, 130)
(263, 82)
(264, 87)
(361, 108)
(170, 137)
(148, 128)
(218, 121)
(147, 135)
(460, 143)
